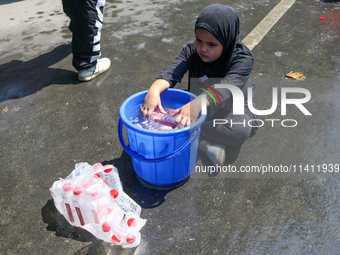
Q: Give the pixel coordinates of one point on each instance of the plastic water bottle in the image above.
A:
(81, 169)
(125, 202)
(129, 239)
(164, 119)
(102, 206)
(132, 239)
(130, 223)
(56, 191)
(111, 175)
(66, 198)
(131, 220)
(97, 166)
(111, 232)
(158, 121)
(110, 227)
(91, 180)
(93, 193)
(116, 238)
(87, 201)
(77, 191)
(85, 183)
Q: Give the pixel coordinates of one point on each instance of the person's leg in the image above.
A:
(86, 33)
(215, 152)
(214, 139)
(87, 27)
(70, 9)
(235, 132)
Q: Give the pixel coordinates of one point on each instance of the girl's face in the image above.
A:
(207, 46)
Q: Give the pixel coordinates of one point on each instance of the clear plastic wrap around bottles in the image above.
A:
(157, 121)
(92, 197)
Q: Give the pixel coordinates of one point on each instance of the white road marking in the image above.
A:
(257, 34)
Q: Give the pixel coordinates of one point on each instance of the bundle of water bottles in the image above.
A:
(92, 197)
(158, 121)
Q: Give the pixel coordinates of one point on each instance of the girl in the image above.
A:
(216, 56)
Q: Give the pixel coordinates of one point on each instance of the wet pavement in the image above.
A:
(49, 122)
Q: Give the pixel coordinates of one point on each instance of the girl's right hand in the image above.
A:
(152, 101)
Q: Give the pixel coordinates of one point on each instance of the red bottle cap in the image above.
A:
(97, 165)
(93, 192)
(77, 190)
(67, 187)
(97, 175)
(115, 239)
(114, 193)
(108, 170)
(132, 222)
(130, 238)
(106, 227)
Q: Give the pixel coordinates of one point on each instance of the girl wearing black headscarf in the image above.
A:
(216, 56)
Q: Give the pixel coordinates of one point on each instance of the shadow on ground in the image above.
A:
(145, 194)
(56, 222)
(9, 1)
(21, 79)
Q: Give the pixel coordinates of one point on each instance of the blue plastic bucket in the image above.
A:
(162, 158)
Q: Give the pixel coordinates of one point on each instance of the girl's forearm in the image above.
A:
(159, 86)
(199, 98)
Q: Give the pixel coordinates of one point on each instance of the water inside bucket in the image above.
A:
(138, 120)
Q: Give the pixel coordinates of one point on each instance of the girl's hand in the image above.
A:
(151, 102)
(152, 99)
(188, 113)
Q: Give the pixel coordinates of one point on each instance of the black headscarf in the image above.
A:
(223, 23)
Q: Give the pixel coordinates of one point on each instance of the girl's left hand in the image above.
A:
(188, 113)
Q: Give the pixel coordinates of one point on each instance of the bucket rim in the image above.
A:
(134, 127)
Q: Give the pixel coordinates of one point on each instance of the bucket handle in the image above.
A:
(141, 158)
